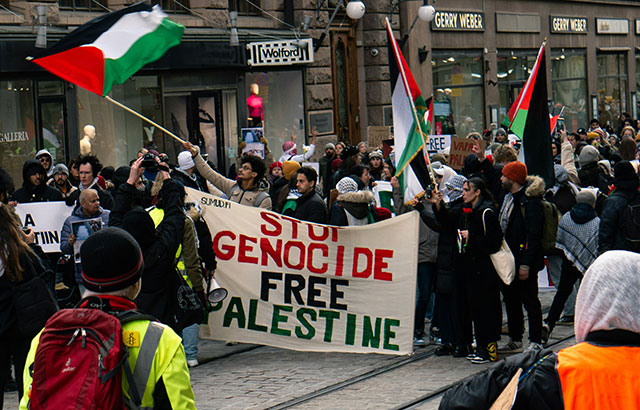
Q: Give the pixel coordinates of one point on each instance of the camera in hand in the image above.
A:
(149, 161)
(428, 193)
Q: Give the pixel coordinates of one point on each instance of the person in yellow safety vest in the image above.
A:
(601, 371)
(111, 272)
(188, 263)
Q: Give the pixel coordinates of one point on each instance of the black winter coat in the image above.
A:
(31, 193)
(448, 260)
(311, 208)
(481, 242)
(611, 236)
(524, 232)
(159, 278)
(539, 385)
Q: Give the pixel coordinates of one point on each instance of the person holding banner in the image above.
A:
(479, 235)
(250, 188)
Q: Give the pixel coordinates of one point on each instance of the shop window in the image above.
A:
(612, 88)
(17, 127)
(245, 7)
(514, 68)
(119, 134)
(458, 92)
(4, 3)
(281, 121)
(569, 87)
(173, 6)
(83, 5)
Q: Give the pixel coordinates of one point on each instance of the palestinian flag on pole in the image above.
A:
(408, 105)
(111, 48)
(529, 116)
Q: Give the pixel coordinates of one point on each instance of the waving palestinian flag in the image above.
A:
(111, 48)
(529, 116)
(411, 158)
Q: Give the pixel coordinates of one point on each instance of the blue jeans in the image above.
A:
(190, 337)
(426, 280)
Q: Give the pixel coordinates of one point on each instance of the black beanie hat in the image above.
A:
(624, 176)
(139, 224)
(111, 260)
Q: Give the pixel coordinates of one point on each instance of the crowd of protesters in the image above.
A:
(465, 216)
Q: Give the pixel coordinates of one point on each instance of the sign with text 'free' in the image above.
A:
(311, 287)
(285, 52)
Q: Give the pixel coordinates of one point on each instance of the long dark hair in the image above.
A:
(12, 243)
(480, 184)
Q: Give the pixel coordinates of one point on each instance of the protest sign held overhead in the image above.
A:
(312, 287)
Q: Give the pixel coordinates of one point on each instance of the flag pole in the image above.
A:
(413, 106)
(137, 114)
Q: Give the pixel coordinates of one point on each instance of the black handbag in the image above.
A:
(33, 301)
(188, 309)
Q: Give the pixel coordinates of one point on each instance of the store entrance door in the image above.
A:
(345, 86)
(197, 117)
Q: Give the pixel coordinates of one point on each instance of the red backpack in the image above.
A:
(78, 361)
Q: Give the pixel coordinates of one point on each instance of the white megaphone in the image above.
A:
(217, 294)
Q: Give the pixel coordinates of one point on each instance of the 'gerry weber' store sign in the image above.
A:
(280, 52)
(458, 21)
(571, 25)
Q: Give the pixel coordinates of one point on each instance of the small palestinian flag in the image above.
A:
(411, 158)
(529, 117)
(111, 48)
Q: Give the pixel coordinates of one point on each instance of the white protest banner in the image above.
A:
(438, 143)
(46, 219)
(312, 287)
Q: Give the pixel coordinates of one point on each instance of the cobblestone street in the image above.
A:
(260, 377)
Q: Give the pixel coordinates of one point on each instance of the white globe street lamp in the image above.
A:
(426, 13)
(355, 10)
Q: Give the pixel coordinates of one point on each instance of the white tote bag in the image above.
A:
(503, 260)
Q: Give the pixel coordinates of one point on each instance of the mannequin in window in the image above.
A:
(254, 104)
(85, 142)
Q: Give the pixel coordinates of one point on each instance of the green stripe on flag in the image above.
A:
(517, 127)
(148, 48)
(413, 145)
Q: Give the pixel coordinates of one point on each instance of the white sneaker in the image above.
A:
(192, 363)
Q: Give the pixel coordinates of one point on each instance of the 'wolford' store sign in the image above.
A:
(280, 52)
(458, 21)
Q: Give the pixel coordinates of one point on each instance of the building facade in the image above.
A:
(312, 66)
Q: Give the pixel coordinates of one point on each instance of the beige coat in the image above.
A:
(231, 188)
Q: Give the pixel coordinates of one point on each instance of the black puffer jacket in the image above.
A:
(611, 236)
(33, 193)
(356, 203)
(539, 385)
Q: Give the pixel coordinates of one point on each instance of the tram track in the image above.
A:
(372, 374)
(431, 397)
